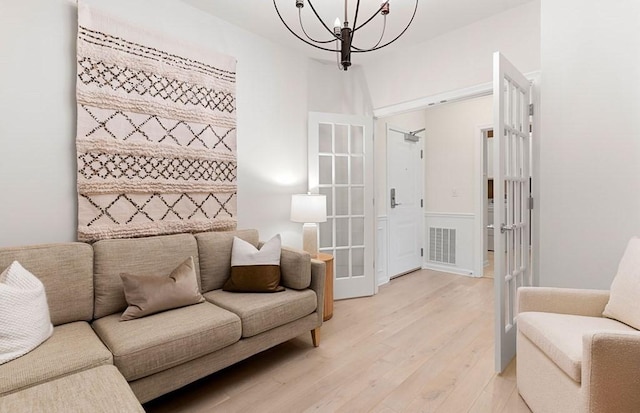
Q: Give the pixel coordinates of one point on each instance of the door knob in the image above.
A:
(393, 198)
(504, 228)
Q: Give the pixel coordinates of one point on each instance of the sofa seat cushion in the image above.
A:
(101, 389)
(71, 348)
(260, 312)
(559, 336)
(151, 344)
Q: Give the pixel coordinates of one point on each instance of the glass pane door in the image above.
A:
(340, 164)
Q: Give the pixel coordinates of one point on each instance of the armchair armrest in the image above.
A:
(610, 376)
(562, 300)
(318, 274)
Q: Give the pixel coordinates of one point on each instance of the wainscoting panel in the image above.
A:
(449, 242)
(382, 276)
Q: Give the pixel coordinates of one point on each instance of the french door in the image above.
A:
(511, 190)
(341, 168)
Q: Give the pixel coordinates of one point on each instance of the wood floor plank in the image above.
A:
(437, 377)
(424, 343)
(494, 396)
(515, 404)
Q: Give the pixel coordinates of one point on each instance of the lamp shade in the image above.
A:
(308, 208)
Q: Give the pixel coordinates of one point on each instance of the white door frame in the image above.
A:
(483, 89)
(479, 245)
(420, 222)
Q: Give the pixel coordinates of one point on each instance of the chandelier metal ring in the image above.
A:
(342, 34)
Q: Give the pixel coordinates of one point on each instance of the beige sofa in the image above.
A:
(572, 359)
(158, 353)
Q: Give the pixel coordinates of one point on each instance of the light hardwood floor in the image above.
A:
(423, 344)
(487, 271)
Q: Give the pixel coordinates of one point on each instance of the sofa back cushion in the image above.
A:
(215, 255)
(65, 270)
(154, 255)
(624, 303)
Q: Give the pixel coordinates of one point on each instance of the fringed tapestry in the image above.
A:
(156, 137)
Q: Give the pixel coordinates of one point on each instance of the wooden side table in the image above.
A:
(328, 285)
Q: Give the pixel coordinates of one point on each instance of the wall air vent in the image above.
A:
(442, 245)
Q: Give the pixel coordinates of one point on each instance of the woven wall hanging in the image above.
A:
(156, 136)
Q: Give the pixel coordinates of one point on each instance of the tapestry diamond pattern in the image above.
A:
(156, 136)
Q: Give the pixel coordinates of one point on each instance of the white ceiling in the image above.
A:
(433, 18)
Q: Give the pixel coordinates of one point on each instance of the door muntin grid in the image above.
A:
(341, 152)
(515, 170)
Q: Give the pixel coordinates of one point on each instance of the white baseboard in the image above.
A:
(449, 269)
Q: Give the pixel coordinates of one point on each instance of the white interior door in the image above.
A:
(511, 145)
(404, 201)
(341, 167)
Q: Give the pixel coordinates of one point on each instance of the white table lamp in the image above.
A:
(309, 209)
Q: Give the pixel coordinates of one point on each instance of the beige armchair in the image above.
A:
(572, 359)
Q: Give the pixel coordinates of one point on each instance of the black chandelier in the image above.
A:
(342, 34)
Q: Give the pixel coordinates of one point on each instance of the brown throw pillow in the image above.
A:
(150, 294)
(253, 270)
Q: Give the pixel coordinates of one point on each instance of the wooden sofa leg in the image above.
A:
(315, 336)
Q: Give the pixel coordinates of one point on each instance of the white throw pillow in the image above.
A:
(243, 253)
(255, 270)
(24, 313)
(624, 297)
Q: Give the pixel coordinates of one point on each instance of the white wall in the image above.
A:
(451, 161)
(455, 60)
(37, 122)
(275, 89)
(590, 139)
(452, 164)
(335, 91)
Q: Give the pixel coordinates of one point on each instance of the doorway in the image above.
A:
(450, 162)
(486, 136)
(513, 101)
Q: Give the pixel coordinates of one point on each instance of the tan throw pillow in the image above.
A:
(624, 304)
(24, 313)
(255, 270)
(150, 294)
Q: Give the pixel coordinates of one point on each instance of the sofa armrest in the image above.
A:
(562, 300)
(318, 274)
(610, 374)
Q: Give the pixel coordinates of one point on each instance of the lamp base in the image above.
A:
(310, 239)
